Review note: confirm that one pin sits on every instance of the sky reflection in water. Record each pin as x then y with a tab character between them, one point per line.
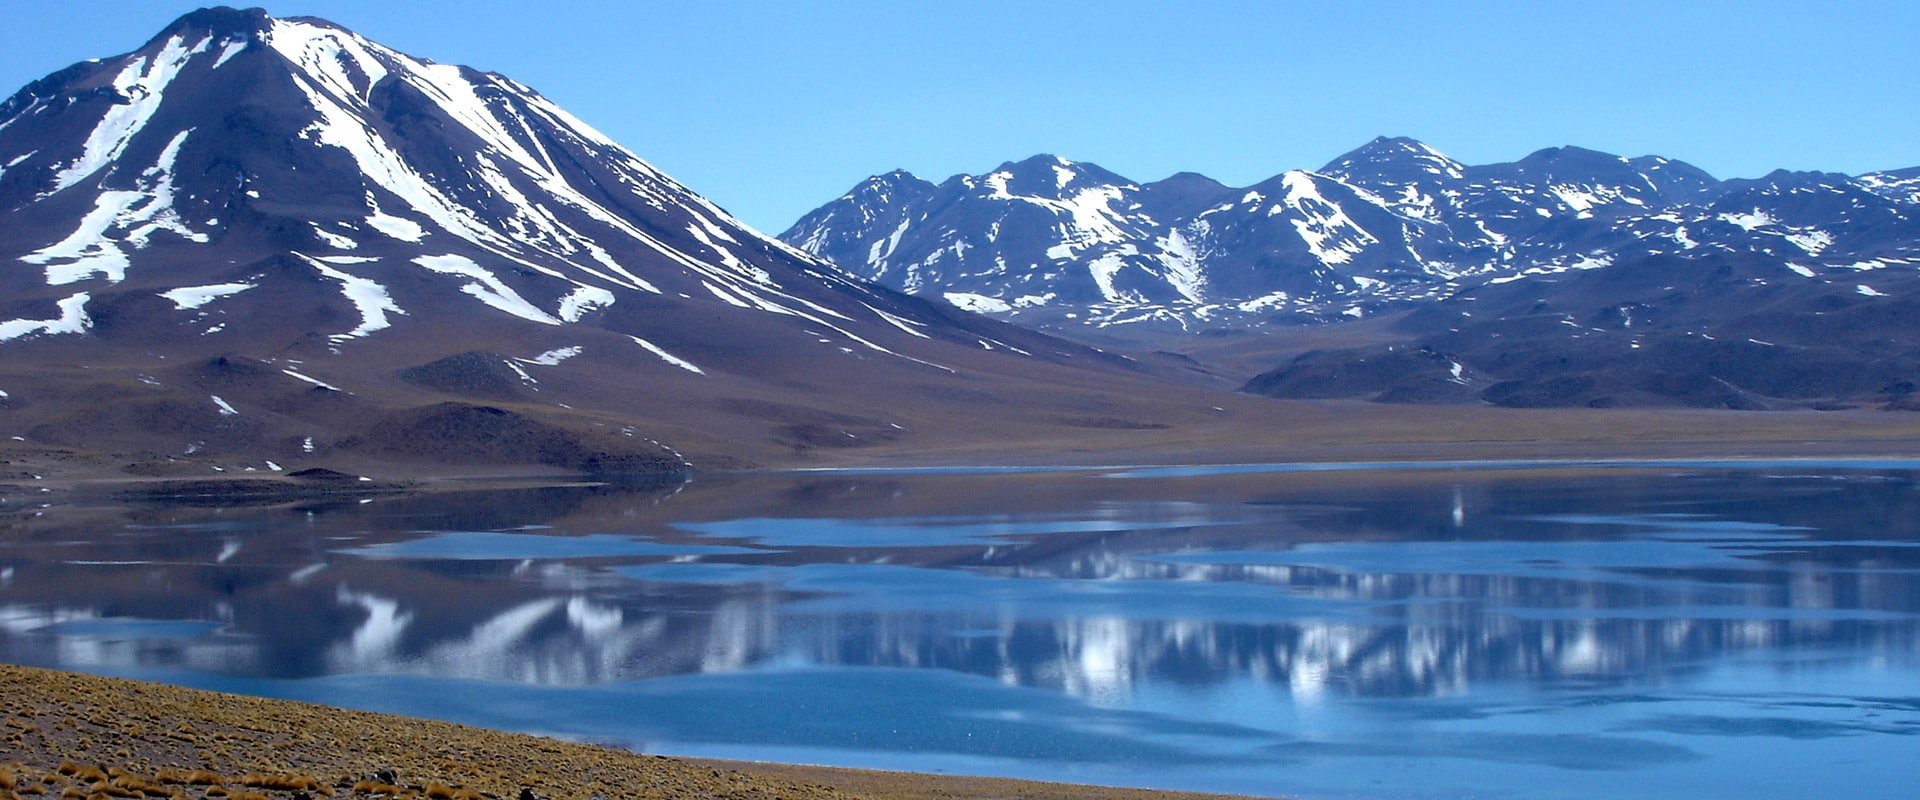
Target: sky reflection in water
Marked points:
1507	633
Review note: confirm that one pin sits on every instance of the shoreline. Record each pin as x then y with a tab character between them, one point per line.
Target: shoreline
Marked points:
101	481
1171	469
62	729
1249	432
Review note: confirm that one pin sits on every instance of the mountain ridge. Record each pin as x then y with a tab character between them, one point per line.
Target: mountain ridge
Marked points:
1569	277
1389	224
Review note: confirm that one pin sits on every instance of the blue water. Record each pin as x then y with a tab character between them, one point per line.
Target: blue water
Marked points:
1681	630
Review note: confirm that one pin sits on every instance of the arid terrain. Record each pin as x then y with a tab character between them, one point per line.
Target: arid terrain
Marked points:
1239	429
92	738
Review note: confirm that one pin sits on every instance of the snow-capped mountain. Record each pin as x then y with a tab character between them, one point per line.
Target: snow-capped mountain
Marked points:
984	241
197	235
386	178
1390	224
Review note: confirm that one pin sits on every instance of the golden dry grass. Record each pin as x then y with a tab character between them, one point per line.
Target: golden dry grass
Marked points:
81	737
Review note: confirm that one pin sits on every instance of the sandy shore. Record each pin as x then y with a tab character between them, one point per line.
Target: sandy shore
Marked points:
81	737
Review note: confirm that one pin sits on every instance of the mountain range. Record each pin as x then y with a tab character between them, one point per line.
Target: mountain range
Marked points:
258	244
1391	224
1568	278
277	238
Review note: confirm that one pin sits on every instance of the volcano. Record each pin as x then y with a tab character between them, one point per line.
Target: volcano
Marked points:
273	241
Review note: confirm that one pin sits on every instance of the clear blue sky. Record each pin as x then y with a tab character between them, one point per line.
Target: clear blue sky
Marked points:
773	108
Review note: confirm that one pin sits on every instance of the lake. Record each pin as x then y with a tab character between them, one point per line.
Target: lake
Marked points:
1459	630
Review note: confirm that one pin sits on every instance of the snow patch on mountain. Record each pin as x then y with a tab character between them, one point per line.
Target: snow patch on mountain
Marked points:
1331	235
404	230
552	358
977	303
584	300
525	377
1903	186
1582	262
1105	267
368	297
315	381
1181	264
229	49
486	286
73	319
1269	302
136	214
142	85
1749	220
1811	240
187	298
666	356
335	240
88	251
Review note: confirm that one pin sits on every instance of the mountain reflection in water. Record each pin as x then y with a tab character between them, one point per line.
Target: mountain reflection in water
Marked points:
1235	603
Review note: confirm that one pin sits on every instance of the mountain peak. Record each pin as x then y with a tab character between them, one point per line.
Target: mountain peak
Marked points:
1793	180
1396	157
1041	164
896	177
881	188
1187	179
1047	175
1569	155
1397	142
1652	164
1041	161
221	22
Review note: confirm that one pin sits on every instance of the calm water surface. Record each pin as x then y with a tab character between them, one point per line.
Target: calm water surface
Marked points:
1679	631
